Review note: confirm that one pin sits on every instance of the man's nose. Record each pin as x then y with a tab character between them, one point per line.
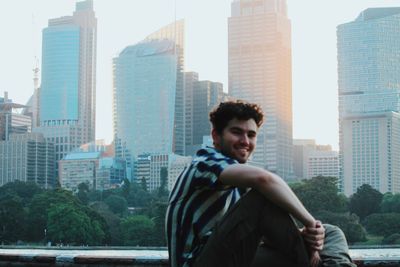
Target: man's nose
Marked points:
244	139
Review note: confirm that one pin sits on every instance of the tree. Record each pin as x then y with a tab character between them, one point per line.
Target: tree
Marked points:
38	210
137	230
112	221
157	211
162	190
320	194
83	190
137	196
68	224
12	218
390	203
144	183
349	223
117	204
393	239
365	201
126	186
383	223
24	190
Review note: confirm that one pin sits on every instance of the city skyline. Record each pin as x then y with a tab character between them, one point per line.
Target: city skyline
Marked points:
313	50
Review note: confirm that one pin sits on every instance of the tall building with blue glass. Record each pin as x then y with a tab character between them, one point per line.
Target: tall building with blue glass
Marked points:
369	100
147	95
68	83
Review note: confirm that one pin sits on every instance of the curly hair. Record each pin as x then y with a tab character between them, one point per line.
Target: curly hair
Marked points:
239	109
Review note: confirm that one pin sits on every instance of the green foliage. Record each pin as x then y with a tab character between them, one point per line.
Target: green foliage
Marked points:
320	194
162	190
82	194
144	184
137	230
365	201
349	224
68	224
138	197
117	204
25	191
390	203
12	219
393	239
157	211
382	223
126	187
111	219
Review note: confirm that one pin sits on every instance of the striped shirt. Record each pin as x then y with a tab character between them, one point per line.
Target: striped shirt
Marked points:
196	203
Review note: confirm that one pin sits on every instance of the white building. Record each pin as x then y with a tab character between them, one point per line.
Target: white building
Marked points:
322	163
312	160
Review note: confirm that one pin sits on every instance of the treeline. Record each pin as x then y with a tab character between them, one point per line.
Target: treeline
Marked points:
367	213
132	216
31	215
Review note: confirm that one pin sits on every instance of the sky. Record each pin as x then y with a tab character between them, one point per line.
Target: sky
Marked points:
125	22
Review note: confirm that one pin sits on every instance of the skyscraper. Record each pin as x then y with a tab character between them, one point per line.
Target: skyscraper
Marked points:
148	101
260	72
369	100
68	88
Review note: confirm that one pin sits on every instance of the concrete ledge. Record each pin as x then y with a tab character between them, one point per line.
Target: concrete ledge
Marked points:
106	257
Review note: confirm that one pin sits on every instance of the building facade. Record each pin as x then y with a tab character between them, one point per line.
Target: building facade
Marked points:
12	121
27	157
369	100
68	84
93	168
312	160
323	163
260	71
148	101
301	150
149	169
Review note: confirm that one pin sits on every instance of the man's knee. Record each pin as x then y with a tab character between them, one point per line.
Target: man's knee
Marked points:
335	252
334	233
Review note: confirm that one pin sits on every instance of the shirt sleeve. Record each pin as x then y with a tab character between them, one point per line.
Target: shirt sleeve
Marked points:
209	170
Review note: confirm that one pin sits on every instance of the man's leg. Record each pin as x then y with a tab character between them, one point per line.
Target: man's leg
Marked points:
235	239
335	252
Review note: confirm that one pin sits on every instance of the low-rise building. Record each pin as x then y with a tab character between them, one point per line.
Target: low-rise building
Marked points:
98	172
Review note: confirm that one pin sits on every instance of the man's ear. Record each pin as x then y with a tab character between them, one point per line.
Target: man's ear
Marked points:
216	137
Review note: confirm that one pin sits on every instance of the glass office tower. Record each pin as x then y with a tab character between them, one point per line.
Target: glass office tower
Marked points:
68	88
147	82
260	71
369	100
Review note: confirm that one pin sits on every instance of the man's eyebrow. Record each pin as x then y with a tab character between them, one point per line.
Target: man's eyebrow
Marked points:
236	128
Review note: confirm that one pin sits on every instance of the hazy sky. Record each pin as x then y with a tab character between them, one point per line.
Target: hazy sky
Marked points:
125	22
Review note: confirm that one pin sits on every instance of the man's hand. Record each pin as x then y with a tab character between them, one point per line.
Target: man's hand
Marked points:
314	236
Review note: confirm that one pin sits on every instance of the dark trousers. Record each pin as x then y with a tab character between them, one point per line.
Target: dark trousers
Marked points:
236	238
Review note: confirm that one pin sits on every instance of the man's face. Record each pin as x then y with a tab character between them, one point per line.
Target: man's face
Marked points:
238	139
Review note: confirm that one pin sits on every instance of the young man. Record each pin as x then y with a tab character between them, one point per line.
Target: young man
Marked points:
220	208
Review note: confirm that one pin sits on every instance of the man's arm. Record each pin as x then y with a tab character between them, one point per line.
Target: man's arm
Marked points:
271	186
